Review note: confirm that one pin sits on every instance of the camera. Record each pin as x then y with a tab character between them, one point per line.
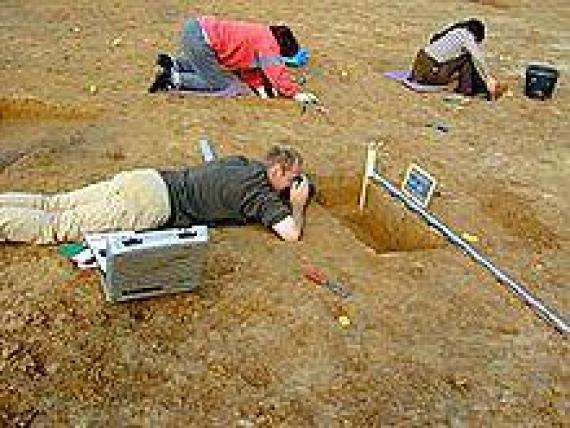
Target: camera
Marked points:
296	182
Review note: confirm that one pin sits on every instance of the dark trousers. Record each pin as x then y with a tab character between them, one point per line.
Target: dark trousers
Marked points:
461	70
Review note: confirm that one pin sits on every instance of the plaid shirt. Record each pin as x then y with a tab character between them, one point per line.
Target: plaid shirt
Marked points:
456	43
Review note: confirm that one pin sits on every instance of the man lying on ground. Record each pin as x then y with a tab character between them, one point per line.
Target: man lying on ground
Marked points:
233	190
455	55
217	54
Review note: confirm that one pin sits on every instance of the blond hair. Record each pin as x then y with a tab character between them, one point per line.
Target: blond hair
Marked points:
285	156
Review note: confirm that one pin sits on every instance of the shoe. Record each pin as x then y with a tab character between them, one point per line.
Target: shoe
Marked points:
162	82
165	61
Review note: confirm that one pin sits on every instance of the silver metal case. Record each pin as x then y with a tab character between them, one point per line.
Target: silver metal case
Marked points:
137	265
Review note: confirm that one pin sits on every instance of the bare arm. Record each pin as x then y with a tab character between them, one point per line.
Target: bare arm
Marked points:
478	59
288	229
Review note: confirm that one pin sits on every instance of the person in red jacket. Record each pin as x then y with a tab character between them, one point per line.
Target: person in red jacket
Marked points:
217	54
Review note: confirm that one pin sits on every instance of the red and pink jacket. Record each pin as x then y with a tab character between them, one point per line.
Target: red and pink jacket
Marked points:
250	50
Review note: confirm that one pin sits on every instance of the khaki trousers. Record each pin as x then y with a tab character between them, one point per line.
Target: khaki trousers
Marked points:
132	200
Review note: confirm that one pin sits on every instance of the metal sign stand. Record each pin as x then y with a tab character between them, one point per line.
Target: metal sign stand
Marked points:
372	174
419	184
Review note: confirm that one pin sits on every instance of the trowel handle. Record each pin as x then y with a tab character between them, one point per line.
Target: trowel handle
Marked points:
315	275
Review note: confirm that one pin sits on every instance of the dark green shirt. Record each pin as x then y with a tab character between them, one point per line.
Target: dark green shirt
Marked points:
233	190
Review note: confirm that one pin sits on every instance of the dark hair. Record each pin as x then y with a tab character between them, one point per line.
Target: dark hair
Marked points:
474	26
288	45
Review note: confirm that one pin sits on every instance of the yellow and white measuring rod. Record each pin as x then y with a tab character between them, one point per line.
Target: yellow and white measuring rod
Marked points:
369	165
371	174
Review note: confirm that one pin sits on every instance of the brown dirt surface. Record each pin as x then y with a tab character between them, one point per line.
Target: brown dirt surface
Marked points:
433	339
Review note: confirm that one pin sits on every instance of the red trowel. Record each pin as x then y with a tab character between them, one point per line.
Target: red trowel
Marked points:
317	276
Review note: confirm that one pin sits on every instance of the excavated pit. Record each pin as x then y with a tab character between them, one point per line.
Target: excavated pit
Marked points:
383	225
28	125
33	109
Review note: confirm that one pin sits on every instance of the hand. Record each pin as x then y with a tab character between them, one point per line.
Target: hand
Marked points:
299	192
495	87
492	83
306	98
261	92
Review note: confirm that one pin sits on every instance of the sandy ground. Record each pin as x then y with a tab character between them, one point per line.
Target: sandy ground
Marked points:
433	339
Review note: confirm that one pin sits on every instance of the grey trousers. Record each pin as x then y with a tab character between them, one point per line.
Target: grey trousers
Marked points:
132	200
197	66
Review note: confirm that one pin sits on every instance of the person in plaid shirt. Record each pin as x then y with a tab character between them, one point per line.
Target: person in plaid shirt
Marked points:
455	55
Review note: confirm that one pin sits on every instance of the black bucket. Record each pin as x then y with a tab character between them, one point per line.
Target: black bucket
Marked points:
540	81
